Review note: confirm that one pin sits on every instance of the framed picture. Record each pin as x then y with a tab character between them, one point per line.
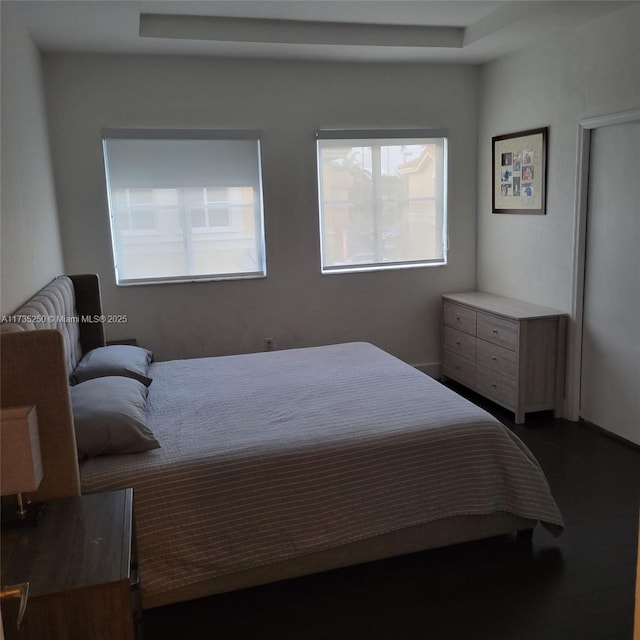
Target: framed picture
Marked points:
520	172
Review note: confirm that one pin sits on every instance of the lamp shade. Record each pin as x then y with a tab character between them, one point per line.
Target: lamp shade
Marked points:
20	459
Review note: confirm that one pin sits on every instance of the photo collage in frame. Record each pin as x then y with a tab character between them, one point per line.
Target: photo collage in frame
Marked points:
519	165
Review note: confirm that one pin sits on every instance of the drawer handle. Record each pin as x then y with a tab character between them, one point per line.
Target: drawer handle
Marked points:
457	344
458	318
17	591
494	358
495	332
495	386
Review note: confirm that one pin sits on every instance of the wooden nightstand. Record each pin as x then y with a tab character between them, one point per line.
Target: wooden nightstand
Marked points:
81	567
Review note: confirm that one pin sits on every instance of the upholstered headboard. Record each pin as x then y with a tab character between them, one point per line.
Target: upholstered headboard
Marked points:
40	346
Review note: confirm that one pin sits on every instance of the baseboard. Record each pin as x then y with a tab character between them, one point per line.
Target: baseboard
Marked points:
609	434
432	369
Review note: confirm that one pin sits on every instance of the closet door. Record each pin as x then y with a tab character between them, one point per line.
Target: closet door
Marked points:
610	385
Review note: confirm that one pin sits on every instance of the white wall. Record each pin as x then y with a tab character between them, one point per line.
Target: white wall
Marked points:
287	102
31	248
594	71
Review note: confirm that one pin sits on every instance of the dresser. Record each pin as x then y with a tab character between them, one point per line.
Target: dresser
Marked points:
509	351
81	568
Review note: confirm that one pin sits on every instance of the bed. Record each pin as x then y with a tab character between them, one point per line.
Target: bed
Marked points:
274	465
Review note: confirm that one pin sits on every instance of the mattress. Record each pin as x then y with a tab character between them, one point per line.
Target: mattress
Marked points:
271	456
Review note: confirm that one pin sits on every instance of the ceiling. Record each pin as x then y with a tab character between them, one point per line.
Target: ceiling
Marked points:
472	31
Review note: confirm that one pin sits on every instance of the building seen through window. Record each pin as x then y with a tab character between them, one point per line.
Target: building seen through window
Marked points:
382	203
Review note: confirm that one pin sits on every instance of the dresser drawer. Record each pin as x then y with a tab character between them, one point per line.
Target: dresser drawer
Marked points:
497	387
459	317
460	343
459	369
491	356
497	330
519	354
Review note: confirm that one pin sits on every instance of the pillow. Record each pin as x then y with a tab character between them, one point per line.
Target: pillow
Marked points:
110	416
115	360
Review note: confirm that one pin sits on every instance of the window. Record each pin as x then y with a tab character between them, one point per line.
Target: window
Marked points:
184	205
382	200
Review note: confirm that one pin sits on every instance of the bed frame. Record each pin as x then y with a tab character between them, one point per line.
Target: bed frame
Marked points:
45	340
40	349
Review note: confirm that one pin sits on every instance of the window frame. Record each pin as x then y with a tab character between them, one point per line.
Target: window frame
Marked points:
384	136
116	238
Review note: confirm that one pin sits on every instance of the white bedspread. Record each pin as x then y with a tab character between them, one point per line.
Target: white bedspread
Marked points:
273	455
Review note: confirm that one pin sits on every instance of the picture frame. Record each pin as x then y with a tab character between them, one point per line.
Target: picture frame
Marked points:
519	172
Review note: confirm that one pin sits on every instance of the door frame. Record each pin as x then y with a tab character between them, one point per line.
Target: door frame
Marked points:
574	360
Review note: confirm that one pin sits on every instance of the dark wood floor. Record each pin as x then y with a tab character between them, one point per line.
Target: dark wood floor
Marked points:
579	586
